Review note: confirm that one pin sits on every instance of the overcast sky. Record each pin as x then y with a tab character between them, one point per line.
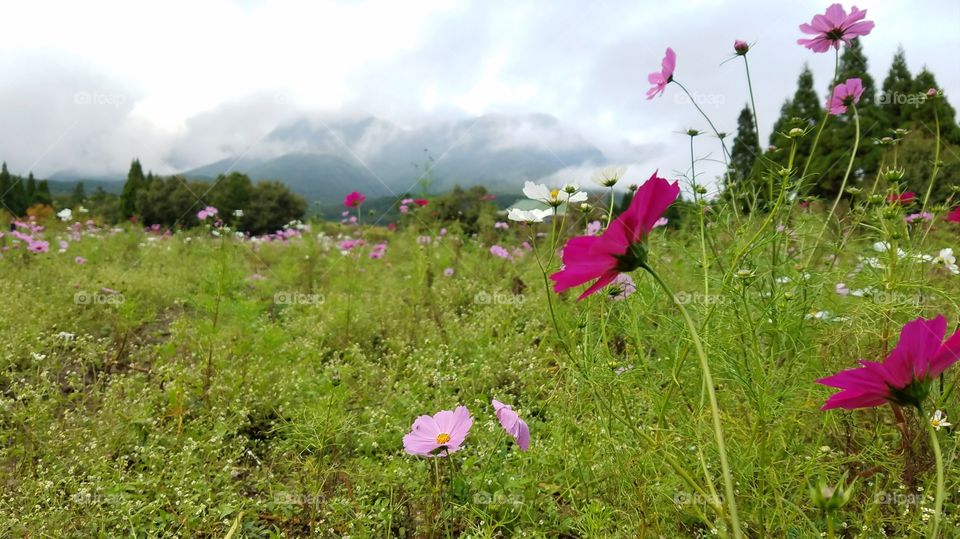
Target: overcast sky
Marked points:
180	83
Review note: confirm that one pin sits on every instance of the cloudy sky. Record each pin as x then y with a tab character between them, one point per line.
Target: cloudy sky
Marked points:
86	86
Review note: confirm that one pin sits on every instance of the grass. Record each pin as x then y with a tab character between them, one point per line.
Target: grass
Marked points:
198	401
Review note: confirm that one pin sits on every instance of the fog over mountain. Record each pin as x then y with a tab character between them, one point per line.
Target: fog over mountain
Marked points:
332	95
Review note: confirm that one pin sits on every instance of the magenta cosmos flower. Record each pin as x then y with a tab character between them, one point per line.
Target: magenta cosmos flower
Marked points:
833	27
660	79
354	199
440	434
512	423
954	216
904	377
844	95
620	248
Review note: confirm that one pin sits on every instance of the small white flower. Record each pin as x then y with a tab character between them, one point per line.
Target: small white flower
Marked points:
64	336
552	197
608	176
238	213
947	258
528	216
939	420
65	214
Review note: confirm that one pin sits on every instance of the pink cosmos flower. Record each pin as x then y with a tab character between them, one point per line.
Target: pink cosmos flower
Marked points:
594	228
905	198
660	79
622	287
440	434
922	216
512	423
421	202
38	246
740	47
663	221
404	209
209	211
833	27
842	289
354	199
904	376
80	260
620	248
448	272
499	251
844	95
954	216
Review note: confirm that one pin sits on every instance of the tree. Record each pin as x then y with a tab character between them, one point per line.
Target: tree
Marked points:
746	146
897	90
5	186
78	194
128	198
43	193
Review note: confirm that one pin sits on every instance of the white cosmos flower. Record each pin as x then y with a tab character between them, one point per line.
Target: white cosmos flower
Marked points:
65	214
939	420
608	176
552	197
528	216
947	258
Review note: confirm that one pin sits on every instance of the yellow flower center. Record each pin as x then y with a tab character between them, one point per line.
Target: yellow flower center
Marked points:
554	193
443	438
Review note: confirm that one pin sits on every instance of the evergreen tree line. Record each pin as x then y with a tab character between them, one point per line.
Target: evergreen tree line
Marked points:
174	201
897	131
18	194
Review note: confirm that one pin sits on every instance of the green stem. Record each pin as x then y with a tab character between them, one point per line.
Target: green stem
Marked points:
612	201
712	396
843	185
941	488
936	158
826	116
703	232
753	105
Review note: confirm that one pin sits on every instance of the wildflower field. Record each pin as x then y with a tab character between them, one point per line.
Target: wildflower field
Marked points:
623	361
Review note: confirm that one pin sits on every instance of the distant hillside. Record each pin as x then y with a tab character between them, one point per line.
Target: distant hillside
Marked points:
322	160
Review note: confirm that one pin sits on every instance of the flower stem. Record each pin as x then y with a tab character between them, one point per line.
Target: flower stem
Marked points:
610	213
941	489
936	158
703	232
823	122
843	185
712	396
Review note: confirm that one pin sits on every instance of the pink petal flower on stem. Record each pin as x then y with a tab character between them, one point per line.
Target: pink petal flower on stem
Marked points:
905	375
354	199
954	216
905	198
38	246
440	434
512	423
660	79
834	27
620	248
844	95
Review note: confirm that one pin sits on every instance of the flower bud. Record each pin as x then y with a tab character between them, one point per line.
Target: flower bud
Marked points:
741	47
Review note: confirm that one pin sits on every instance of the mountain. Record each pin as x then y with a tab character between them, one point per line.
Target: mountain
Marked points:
324	159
